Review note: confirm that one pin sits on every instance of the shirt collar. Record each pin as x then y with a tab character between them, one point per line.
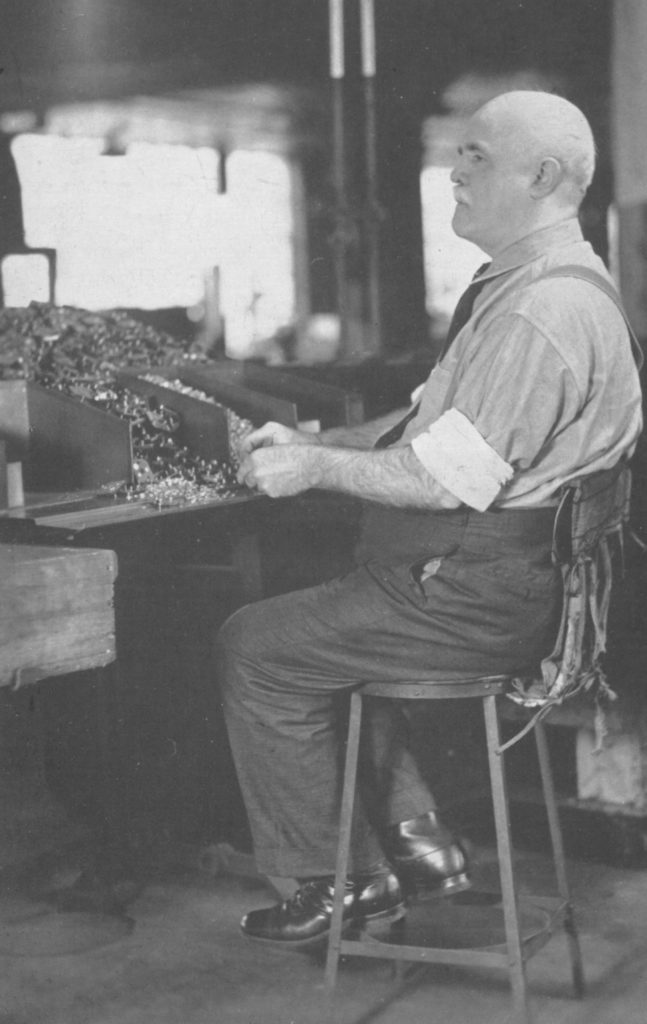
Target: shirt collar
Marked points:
536	244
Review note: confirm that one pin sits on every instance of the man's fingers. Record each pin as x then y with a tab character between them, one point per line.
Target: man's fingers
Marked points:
277	471
260	438
274	435
245	474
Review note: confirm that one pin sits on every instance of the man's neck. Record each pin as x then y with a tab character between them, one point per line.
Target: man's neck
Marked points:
566	232
545	222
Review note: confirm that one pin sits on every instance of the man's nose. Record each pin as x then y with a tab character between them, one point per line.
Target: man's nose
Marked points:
457	175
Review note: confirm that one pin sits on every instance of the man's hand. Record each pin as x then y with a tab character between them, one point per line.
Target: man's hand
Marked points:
275	434
282	469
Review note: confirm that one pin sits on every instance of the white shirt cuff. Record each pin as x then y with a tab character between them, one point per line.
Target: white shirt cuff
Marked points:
459	459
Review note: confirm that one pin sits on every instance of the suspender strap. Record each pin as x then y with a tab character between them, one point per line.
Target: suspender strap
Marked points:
594	278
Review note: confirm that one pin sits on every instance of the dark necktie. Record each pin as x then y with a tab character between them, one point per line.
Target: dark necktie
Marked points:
462	313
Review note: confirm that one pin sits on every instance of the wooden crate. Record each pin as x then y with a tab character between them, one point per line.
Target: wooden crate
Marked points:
56	611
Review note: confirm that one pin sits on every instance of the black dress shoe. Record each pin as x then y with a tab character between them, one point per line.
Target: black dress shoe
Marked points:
304	919
426	857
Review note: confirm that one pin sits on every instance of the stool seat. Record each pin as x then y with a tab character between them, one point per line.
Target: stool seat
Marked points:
445	687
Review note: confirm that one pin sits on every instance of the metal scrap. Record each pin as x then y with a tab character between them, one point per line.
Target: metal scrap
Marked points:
79	353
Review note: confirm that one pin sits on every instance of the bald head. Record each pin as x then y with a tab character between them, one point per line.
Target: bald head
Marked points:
524	163
539	125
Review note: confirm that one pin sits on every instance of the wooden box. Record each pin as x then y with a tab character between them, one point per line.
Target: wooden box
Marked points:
56	611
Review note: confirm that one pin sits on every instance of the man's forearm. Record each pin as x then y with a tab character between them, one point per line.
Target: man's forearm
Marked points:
364	435
393	477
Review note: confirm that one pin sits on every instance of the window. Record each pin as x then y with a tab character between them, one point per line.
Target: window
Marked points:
146	229
449	261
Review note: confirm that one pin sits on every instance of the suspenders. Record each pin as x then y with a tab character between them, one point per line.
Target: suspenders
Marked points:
592	276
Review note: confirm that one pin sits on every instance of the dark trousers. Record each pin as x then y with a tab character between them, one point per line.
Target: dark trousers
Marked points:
483	598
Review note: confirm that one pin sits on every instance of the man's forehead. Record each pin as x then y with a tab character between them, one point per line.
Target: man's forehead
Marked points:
493	135
477	134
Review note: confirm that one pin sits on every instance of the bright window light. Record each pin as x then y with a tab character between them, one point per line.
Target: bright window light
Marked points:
146	229
25	279
613	234
449	261
258	278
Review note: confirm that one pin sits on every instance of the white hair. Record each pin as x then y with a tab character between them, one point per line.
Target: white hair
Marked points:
552	126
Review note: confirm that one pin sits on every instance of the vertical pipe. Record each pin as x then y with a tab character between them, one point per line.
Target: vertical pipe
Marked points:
367	26
372	217
339	241
336	28
367	31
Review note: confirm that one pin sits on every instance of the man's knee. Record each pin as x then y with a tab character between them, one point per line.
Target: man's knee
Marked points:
227	655
244	638
231	634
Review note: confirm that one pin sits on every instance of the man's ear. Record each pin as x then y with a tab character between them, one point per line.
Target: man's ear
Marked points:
547	177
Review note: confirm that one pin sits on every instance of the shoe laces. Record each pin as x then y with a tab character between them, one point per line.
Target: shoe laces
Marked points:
314	894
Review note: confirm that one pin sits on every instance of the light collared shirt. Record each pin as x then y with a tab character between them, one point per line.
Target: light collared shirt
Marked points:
539	387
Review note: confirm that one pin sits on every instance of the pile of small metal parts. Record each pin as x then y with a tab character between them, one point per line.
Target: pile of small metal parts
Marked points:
237	426
166	473
55	345
178	491
79	352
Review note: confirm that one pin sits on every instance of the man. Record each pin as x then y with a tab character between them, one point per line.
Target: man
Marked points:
454	571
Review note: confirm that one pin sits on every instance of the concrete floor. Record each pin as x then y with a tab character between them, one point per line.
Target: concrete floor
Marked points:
179	957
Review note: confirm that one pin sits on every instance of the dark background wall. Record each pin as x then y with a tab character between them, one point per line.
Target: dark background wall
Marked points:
423	44
72	50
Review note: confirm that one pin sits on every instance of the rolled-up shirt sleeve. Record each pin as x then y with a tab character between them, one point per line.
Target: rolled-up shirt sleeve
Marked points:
515	393
456	455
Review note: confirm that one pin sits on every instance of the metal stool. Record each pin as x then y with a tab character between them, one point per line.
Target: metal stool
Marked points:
517	950
588	530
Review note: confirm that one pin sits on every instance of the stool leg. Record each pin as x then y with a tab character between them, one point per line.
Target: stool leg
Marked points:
343	848
559	859
516	963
